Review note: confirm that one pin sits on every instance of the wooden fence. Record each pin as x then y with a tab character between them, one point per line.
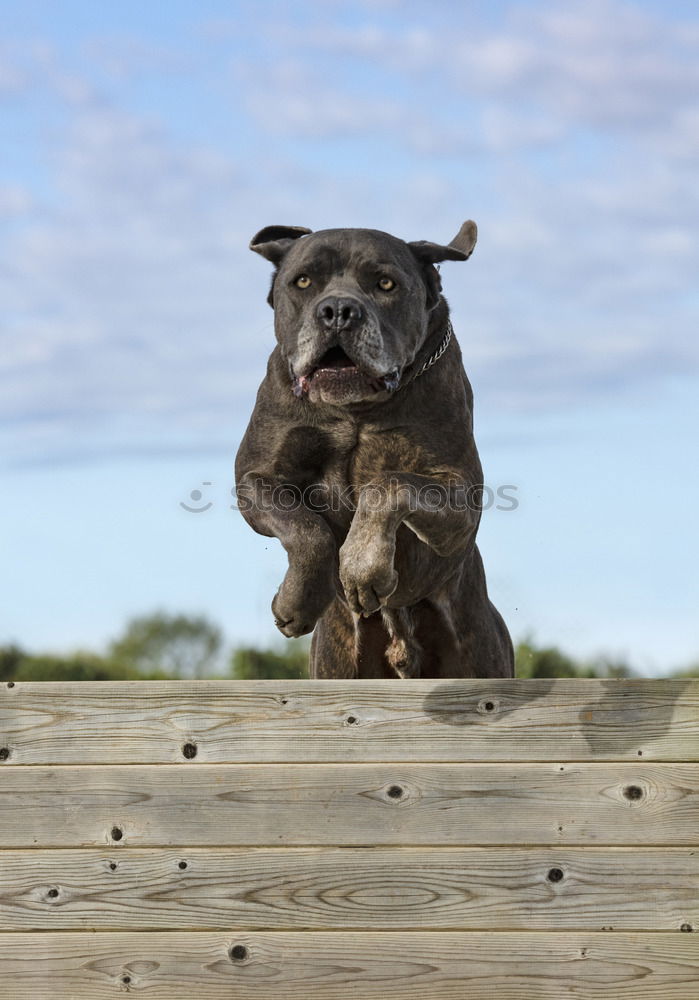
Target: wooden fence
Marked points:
383	840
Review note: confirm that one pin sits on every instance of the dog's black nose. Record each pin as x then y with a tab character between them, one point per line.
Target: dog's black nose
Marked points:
339	313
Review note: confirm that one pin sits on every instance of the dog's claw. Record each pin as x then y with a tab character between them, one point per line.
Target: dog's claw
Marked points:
368	577
369	602
300	601
293	628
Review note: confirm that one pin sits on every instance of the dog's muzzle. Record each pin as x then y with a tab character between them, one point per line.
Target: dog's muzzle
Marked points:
341	373
336	372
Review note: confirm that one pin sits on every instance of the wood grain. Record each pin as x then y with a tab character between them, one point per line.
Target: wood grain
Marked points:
352	889
350	805
130	722
365	966
379	840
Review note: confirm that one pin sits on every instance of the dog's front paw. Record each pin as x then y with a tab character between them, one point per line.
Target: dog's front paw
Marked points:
367	573
300	601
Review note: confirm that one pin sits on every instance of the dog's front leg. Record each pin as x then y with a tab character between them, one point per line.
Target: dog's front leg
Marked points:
440	515
277	510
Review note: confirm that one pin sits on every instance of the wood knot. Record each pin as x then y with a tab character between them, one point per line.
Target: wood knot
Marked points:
116	833
4	753
487	706
555	874
189	751
238	953
395	792
633	793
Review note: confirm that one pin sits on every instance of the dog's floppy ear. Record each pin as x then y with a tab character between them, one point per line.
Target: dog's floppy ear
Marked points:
428	254
460	248
272	242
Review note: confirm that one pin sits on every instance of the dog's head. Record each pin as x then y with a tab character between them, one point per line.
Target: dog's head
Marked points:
352	306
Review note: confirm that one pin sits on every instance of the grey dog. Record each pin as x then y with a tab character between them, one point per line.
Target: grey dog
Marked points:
360	458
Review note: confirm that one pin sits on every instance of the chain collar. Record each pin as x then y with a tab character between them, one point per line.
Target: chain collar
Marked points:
434	358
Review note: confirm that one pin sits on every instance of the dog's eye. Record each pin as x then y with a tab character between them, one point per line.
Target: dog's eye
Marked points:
386	284
303	281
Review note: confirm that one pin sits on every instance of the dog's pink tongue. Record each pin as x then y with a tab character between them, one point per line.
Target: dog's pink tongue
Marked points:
300	386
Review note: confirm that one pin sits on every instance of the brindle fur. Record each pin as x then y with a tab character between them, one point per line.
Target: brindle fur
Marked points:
389	589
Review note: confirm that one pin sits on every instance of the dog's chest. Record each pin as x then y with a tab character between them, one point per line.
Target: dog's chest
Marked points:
334	463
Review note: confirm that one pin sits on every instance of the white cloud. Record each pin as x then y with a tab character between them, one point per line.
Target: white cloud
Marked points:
119	298
126	56
15	201
605	64
134	316
13	77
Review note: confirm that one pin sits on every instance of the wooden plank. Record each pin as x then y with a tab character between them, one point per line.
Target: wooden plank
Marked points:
132	722
351	805
352	889
333	966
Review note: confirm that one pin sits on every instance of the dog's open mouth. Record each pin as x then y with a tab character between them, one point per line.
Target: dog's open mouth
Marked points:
336	368
335	360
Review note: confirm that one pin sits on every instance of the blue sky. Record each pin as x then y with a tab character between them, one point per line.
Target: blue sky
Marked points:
143	145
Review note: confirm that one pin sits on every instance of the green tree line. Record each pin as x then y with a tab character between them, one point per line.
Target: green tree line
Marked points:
162	646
